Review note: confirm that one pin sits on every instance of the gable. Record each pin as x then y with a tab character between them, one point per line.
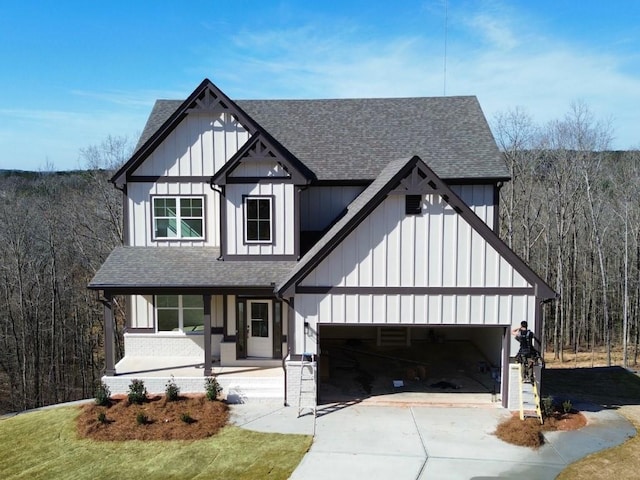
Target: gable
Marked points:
262	157
206	105
436	237
437	248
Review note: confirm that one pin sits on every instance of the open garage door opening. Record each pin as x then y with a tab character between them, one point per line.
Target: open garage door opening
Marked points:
414	364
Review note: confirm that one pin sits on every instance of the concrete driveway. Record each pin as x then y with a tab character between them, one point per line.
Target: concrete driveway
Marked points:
420	442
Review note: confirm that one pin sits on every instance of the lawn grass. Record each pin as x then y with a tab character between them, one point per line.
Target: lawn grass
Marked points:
44	444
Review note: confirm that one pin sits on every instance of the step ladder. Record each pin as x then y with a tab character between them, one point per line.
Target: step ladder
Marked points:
529	399
307	399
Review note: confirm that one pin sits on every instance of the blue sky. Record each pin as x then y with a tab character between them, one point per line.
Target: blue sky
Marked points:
74	72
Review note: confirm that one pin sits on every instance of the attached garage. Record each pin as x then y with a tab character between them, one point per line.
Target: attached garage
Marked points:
424	364
405	300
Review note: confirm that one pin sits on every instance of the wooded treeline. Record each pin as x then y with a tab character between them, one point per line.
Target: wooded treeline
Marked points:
56	230
572	211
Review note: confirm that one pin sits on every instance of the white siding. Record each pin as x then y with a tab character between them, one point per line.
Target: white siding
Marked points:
199	146
254	168
282	221
435	249
140	221
319	206
480	200
374	309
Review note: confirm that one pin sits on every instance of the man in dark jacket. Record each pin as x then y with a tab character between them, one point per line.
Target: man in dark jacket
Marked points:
525	338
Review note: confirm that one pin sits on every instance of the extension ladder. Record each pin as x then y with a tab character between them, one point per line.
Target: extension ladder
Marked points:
307	396
529	399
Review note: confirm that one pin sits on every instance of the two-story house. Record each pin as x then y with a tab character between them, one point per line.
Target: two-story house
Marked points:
256	229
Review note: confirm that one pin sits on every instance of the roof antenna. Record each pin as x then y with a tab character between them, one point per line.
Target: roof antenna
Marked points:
444	73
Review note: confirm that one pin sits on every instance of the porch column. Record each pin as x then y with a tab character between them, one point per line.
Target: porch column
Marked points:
109	339
207	334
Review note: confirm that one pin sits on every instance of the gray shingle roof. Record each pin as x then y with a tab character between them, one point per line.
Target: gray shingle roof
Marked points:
347	139
194	267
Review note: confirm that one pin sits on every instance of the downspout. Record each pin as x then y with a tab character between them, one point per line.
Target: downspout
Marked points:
221	193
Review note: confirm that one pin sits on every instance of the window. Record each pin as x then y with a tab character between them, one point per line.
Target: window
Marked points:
413	204
180	313
178	218
257	219
260	319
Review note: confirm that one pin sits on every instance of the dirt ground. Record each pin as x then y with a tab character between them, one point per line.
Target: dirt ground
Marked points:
590	359
188	418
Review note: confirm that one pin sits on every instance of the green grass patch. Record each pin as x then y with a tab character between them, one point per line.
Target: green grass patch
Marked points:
44	444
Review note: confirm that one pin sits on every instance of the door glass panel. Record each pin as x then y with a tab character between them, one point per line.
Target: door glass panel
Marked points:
259	319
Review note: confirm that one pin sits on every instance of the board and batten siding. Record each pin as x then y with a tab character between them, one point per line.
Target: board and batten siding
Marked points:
392	249
258	169
283	219
140	220
199	146
436	249
480	198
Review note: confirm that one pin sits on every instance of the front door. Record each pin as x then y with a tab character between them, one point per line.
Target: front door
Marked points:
259	329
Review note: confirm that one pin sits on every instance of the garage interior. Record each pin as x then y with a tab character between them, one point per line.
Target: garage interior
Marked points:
410	364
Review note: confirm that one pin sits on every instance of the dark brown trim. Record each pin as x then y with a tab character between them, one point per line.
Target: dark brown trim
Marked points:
231	339
141	330
184	290
506	373
298	173
109	338
167	179
125	216
272	220
257	180
223	221
496	208
225	318
206	299
416	290
217	330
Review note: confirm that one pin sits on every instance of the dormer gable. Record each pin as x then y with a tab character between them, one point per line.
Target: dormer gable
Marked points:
205	99
264	159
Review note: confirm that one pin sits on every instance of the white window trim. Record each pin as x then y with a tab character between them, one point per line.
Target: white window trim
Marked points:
178	199
181	309
246	219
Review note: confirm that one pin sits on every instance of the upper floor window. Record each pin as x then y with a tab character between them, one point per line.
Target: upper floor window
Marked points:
178	218
180	313
258	220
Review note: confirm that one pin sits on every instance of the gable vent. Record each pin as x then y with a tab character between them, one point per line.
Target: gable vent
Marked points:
413	204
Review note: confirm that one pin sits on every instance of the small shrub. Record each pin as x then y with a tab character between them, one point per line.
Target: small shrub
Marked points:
137	392
102	394
142	419
172	391
547	406
102	418
212	388
567	406
186	418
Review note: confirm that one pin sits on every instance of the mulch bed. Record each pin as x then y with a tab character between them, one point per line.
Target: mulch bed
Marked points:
528	432
188	418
